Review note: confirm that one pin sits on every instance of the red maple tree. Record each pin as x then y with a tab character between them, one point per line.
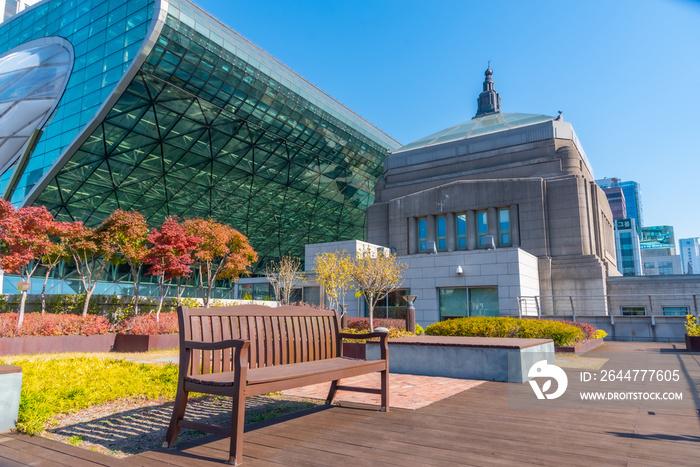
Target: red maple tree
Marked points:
224	253
91	256
24	237
170	256
124	233
54	254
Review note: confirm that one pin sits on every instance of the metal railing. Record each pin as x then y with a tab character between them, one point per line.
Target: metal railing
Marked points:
651	305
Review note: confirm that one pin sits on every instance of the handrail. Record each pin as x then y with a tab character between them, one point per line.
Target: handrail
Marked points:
608	304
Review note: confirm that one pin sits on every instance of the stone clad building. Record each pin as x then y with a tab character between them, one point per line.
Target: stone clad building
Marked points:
501	206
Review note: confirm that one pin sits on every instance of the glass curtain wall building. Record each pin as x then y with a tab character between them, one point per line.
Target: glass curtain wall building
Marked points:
632	192
155	106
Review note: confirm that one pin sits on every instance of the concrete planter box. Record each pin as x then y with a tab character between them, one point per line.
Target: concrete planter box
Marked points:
692	343
355	350
144	343
581	348
50	344
484	358
10	390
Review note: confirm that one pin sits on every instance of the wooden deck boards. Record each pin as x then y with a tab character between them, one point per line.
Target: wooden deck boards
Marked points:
473	428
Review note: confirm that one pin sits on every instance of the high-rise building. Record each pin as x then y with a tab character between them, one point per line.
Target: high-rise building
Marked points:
632	192
660	239
629	258
9	8
690	255
658	245
156	106
616	200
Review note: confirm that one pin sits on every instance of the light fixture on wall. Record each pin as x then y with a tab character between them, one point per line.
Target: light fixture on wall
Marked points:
459	270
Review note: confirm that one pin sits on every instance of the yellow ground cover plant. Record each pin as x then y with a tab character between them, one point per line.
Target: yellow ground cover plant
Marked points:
64	385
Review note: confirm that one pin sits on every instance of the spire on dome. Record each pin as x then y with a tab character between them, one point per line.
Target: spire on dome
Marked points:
489	100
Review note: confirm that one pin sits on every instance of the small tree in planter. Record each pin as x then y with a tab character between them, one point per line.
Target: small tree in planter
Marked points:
124	234
283	275
333	272
170	256
376	275
24	237
224	253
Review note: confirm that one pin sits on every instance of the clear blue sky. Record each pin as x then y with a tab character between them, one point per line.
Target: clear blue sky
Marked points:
626	74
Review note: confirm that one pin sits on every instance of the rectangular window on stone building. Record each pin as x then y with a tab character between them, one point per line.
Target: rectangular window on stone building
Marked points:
453	303
422	234
461	226
482	227
483	301
504	227
633	311
665	268
393	306
472	301
675	310
441	229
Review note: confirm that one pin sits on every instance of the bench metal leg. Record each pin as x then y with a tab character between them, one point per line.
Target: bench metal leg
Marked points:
385	390
178	414
331	393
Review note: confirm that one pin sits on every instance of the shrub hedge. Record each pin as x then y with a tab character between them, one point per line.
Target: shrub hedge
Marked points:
147	324
37	324
588	329
484	326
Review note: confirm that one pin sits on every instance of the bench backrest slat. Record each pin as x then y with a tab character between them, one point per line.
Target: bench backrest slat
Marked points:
277	336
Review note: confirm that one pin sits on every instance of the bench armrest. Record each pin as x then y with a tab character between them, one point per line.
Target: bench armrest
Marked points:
383	340
230	343
364	335
239	348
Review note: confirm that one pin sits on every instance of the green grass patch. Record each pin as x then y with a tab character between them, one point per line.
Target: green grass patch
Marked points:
65	385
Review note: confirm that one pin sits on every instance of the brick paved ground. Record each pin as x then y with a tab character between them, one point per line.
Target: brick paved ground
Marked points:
405	391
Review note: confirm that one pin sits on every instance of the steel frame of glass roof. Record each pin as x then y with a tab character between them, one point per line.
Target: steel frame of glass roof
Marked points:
169	112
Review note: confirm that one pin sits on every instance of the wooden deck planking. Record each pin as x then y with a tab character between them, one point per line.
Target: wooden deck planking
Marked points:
450	445
38	451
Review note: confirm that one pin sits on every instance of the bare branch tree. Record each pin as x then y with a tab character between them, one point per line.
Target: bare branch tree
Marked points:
283	275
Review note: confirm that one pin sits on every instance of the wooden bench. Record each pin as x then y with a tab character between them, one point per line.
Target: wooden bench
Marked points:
248	350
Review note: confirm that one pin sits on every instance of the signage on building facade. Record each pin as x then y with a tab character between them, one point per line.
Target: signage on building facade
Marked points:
623	224
659	236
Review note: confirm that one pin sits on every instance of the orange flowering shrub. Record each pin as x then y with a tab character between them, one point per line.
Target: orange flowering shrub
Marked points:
147	324
487	326
37	324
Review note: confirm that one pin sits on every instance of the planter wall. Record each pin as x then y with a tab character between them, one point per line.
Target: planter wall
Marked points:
143	343
355	350
692	343
49	344
10	389
97	343
581	348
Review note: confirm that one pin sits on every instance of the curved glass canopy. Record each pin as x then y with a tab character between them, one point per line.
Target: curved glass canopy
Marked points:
33	78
